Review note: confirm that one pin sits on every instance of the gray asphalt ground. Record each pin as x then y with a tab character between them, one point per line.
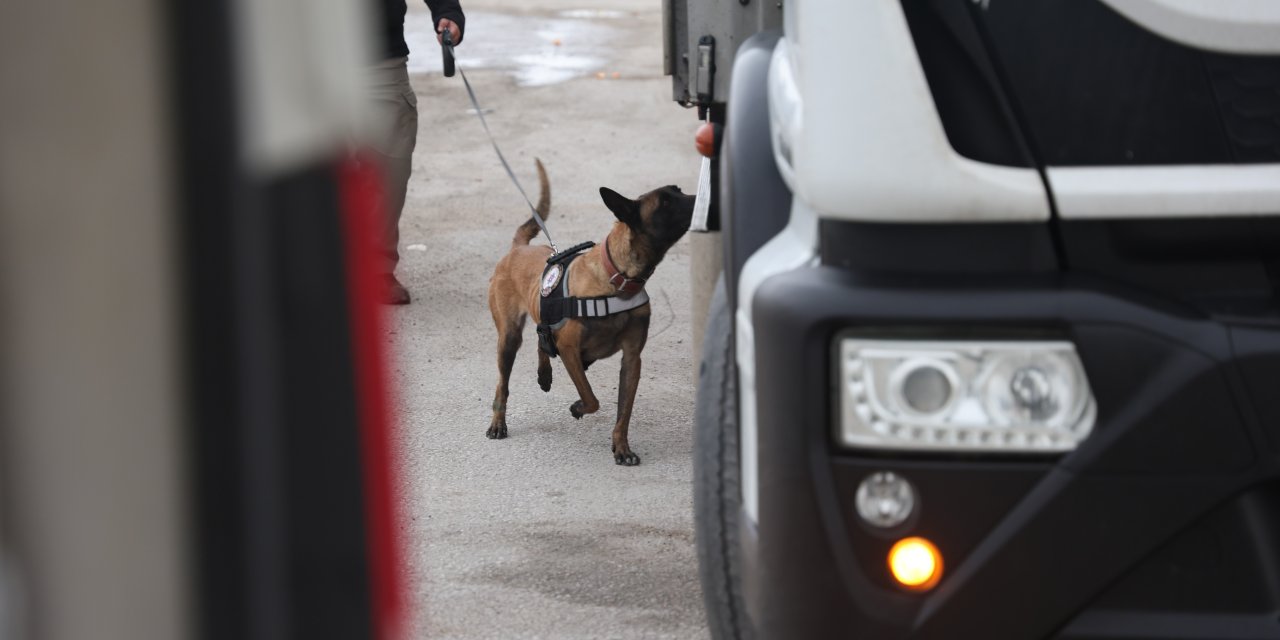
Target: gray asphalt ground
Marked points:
541	535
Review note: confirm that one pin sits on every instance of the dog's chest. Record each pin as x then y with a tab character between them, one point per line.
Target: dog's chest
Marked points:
603	337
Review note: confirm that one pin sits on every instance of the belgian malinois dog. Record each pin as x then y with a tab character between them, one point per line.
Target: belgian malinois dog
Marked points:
643	232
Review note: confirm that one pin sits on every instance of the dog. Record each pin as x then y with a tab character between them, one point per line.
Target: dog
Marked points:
615	271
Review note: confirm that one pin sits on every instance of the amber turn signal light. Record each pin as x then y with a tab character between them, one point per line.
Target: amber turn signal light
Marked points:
705	139
915	564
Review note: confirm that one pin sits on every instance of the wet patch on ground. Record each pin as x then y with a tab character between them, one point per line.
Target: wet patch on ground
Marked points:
567	564
536	51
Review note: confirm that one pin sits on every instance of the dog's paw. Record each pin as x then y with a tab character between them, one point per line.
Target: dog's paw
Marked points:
544	379
627	459
497	431
580	408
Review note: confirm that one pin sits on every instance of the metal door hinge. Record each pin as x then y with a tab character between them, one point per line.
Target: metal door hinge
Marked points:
706	69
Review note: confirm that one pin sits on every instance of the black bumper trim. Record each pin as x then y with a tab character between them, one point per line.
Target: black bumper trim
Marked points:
1172	443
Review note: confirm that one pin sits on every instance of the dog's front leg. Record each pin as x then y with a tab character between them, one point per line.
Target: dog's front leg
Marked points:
544	370
569	344
509	339
628	381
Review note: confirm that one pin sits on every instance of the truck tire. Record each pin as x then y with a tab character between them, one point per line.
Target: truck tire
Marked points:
717	485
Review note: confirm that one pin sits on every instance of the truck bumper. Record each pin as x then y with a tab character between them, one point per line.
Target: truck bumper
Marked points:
1165	522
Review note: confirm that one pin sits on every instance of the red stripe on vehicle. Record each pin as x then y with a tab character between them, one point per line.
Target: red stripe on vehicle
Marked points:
361	198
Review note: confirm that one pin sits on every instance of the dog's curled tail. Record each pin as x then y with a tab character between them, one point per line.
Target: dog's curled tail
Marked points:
530	229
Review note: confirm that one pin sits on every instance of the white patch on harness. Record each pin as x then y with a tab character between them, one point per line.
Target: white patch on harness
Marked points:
551	279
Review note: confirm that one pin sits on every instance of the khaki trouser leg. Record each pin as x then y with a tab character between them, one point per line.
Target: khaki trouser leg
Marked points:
395	176
393	137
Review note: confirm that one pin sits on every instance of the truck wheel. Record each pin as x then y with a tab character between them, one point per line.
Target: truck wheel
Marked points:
717	492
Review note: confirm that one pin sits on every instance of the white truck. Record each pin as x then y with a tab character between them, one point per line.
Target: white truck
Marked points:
996	346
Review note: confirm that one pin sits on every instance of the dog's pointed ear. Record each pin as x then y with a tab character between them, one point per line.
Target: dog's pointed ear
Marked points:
624	209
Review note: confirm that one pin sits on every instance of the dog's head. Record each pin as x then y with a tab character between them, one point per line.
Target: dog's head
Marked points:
658	218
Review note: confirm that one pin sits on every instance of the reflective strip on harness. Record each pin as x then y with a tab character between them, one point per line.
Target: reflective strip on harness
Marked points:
600	307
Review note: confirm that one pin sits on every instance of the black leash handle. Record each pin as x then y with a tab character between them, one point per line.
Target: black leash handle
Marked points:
446	50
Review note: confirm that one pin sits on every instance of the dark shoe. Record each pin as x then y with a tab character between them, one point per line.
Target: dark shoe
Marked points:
393	292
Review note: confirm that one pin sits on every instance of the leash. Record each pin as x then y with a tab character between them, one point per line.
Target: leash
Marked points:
449	66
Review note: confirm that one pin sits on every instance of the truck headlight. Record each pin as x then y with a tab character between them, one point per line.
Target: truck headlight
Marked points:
984	396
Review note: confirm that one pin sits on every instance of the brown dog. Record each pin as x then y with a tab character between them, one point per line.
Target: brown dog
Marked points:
645	229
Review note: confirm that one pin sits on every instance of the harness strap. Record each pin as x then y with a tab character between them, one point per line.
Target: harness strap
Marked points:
607	306
570	253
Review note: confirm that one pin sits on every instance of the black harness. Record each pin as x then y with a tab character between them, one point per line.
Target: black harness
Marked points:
557	306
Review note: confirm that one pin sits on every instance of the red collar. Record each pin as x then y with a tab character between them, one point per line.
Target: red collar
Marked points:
625	286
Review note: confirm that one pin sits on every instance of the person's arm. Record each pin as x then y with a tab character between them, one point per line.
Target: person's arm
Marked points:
447	14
